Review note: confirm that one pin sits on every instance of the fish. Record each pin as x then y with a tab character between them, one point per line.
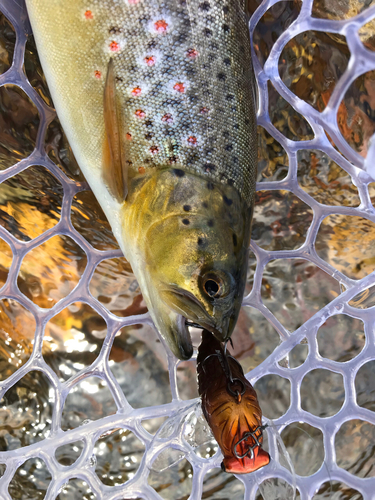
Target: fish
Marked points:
157	100
231	408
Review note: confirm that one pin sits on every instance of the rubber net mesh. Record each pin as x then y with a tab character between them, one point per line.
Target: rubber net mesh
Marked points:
93	405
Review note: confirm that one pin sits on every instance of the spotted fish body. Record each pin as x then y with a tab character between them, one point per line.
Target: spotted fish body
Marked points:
186	124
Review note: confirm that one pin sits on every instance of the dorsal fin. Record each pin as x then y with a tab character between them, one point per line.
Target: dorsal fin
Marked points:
115	172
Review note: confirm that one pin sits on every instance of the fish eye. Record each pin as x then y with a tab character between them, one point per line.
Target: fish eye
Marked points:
213	285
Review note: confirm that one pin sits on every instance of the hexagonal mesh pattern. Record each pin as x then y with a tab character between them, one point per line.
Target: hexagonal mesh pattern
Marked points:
312	282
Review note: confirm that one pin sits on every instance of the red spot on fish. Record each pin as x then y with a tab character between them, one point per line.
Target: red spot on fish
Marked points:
161	26
133	2
168	118
204	110
140	113
192	140
192	53
129	136
154	150
114	46
150	60
88	14
141	170
98	74
136	91
179	87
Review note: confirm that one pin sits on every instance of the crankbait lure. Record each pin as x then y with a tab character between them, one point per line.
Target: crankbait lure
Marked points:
230	406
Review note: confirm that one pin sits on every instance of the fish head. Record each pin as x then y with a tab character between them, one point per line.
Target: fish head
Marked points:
196	262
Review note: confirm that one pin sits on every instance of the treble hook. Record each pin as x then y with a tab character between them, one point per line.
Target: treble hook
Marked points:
251	449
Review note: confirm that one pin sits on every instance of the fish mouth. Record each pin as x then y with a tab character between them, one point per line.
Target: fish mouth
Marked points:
192	313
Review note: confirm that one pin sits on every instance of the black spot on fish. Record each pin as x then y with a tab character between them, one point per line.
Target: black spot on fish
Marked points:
230	182
207	32
200	241
187	208
114	30
210	223
226	28
186	222
227	61
236	126
210	186
229	147
173	159
118	79
226	9
149	136
221	76
174	102
234	240
181	38
152	44
210	167
148	123
178	172
205	6
205	204
229	97
227	200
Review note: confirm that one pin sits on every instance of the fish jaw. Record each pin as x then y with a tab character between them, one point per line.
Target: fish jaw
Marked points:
181	236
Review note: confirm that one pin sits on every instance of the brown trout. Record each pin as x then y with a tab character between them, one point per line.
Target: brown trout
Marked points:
157	100
230	406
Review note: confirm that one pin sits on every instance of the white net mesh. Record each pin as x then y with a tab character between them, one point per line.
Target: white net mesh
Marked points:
84	392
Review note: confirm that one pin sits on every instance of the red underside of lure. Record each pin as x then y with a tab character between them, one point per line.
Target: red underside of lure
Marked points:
230	406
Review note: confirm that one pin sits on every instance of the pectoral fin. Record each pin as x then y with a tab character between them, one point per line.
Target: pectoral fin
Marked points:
115	171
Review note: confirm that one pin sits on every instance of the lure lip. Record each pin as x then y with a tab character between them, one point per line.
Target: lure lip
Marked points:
247	464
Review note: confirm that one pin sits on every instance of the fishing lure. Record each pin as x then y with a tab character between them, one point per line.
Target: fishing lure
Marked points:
156	98
230	406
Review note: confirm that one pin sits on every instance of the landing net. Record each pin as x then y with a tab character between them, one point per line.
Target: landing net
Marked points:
93	405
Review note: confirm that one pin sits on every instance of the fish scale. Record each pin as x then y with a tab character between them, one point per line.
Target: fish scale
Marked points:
207	95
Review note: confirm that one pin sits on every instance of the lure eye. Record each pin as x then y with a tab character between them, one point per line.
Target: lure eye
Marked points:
213	285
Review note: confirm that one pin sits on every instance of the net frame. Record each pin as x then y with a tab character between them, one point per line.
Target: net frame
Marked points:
361	61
